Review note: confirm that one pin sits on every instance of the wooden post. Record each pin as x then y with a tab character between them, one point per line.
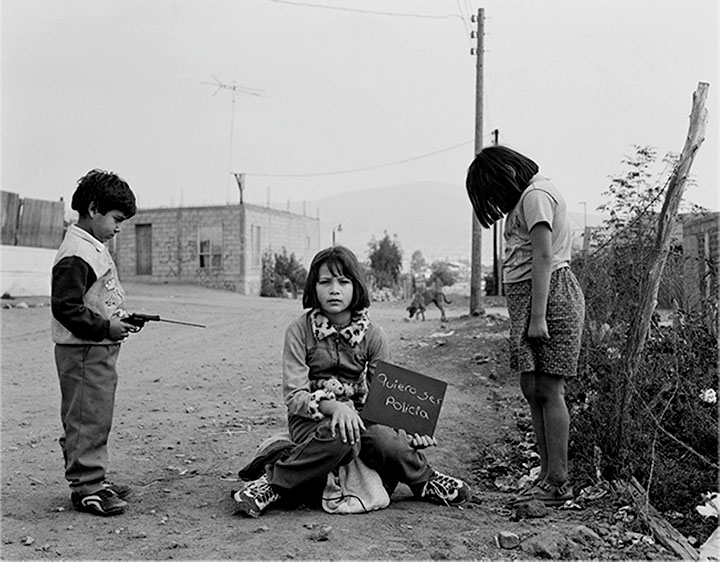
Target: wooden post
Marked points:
476	247
638	330
663	531
240	179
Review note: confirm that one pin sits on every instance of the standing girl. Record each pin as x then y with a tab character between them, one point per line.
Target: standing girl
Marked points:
545	301
335	339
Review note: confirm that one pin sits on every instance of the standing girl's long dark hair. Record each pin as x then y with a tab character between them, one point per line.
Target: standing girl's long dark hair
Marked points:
495	180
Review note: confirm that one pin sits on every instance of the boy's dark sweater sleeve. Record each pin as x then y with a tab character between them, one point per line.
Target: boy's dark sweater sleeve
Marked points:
71	279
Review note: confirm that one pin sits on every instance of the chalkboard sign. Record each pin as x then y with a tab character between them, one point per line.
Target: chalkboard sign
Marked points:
404	399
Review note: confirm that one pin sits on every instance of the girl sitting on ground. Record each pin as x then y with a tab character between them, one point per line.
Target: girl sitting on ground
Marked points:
336	338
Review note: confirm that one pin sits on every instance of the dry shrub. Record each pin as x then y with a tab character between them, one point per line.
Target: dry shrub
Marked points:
670	427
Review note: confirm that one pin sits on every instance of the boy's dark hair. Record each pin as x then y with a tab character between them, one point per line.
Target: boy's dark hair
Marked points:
107	190
340	261
495	180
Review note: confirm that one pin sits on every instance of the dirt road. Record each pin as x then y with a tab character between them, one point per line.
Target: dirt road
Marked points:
192	406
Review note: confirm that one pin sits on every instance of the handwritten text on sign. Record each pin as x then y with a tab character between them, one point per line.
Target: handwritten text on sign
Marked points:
404	399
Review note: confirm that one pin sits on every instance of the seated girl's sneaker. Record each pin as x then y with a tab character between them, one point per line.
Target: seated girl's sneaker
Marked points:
255	497
444	490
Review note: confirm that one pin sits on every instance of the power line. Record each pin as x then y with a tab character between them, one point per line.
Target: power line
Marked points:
465	17
375	167
358	10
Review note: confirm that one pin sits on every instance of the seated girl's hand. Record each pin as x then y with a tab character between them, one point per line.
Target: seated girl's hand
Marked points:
418	441
348	421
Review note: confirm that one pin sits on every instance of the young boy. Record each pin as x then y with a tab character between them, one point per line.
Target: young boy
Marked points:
87	328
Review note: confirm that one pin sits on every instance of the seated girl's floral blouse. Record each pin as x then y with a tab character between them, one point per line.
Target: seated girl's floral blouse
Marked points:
315	350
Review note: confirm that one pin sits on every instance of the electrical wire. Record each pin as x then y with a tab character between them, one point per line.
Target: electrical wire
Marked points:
465	17
375	167
361	11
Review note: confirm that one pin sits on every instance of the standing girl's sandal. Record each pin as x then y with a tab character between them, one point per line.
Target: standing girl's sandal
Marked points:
521	496
547	493
529	486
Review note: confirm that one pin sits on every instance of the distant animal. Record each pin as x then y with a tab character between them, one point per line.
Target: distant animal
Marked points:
422	300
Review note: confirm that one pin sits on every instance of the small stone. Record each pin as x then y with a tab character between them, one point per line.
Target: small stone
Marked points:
507	540
531	509
321	534
585	535
549	544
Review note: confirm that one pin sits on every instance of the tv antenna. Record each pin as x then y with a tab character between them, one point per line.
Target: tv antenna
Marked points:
235	90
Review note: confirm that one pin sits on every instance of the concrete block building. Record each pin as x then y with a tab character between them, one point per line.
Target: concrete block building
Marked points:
215	246
700	241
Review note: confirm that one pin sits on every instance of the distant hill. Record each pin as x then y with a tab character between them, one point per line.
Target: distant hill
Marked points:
435	218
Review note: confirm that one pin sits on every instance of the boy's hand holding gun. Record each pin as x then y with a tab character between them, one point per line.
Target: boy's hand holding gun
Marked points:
119	329
138	321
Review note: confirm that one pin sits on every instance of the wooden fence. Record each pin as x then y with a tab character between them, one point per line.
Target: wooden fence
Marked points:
31	222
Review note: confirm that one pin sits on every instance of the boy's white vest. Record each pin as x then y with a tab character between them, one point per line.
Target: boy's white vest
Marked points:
106	296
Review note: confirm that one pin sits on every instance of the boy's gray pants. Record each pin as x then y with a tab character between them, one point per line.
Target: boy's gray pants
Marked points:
88	381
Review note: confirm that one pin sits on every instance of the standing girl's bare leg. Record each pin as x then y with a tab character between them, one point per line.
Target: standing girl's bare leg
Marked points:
551	422
528	387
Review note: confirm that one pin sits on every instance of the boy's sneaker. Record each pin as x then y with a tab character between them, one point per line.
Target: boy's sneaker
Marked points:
103	502
120	490
445	490
255	497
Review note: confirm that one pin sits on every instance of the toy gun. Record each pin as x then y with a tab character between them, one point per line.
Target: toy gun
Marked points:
139	320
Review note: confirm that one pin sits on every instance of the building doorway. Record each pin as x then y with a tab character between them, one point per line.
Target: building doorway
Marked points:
143	249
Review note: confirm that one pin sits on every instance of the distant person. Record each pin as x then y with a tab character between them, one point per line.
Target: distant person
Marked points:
336	339
545	301
87	329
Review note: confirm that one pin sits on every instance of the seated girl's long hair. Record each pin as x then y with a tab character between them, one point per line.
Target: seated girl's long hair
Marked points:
340	261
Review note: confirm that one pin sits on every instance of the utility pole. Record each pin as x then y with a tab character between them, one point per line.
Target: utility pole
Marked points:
335	229
586	231
476	250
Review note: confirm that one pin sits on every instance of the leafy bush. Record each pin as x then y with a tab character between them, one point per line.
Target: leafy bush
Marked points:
267	276
385	258
667	411
442	274
281	274
671	426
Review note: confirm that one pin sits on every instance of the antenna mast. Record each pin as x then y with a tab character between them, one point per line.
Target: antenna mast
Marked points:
234	89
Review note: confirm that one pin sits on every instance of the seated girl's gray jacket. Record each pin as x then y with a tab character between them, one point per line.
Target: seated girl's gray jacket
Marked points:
308	358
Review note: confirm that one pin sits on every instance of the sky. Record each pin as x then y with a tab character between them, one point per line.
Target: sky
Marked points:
320	97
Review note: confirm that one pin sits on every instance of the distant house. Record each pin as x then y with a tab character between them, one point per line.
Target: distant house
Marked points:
215	246
693	260
700	249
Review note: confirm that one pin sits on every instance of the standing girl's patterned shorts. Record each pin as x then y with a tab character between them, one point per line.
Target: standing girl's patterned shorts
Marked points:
565	318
